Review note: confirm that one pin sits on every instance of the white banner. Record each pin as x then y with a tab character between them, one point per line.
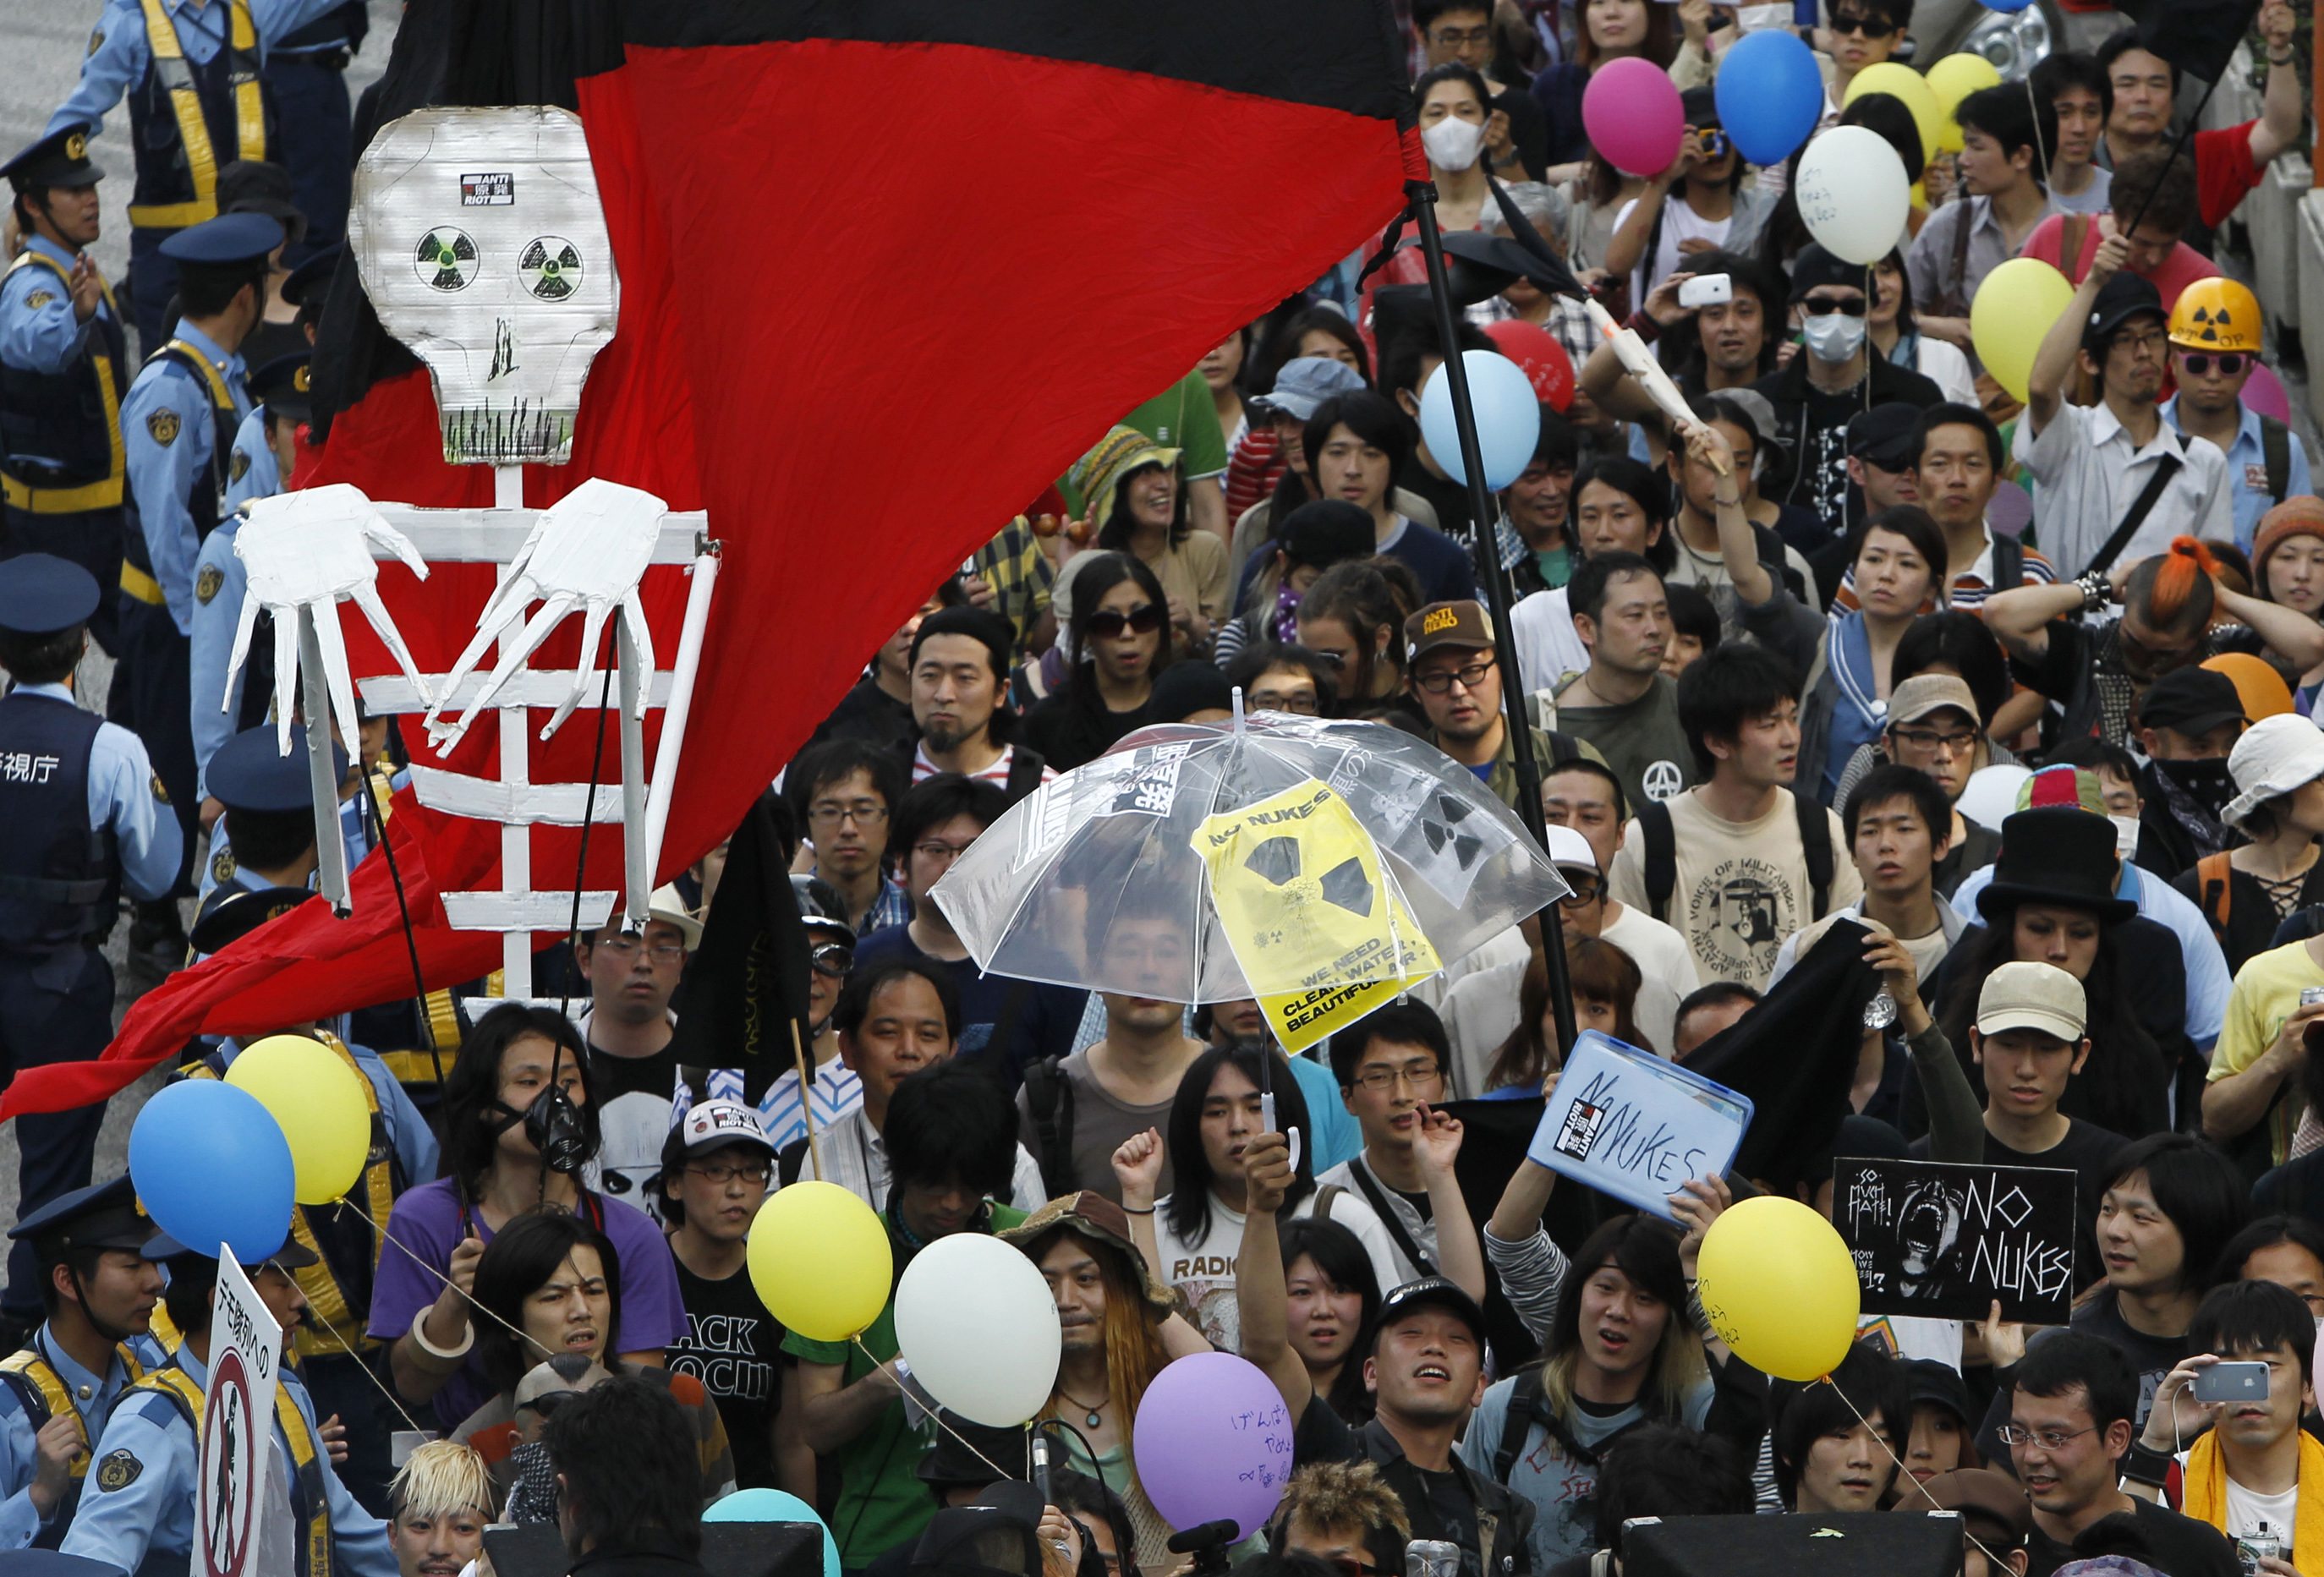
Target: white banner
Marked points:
232	1511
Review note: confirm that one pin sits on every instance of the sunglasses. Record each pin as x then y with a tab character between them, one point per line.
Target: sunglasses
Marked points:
1869	26
1825	307
1109	624
2199	362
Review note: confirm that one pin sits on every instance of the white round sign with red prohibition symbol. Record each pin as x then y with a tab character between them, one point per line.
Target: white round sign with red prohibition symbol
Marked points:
227	1494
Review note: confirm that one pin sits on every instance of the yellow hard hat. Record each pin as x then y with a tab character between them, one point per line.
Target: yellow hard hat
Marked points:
2215	314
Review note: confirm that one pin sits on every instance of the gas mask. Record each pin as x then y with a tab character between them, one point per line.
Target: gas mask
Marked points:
481	242
553	1123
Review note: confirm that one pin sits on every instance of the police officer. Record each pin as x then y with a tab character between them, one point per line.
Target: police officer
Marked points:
81	815
64	363
307	74
138	1508
56	1393
192	70
178	426
264	449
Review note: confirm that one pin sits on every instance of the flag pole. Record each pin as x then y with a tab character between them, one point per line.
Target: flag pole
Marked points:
1485	547
807	1099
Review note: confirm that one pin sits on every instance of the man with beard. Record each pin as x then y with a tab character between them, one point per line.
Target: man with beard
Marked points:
1426	1372
960	682
2188	721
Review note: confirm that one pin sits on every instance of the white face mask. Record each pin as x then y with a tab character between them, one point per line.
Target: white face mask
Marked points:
1834	336
1753	18
2125	834
1453	144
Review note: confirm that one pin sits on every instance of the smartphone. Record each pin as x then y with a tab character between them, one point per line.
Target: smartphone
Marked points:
2231	1382
1706	290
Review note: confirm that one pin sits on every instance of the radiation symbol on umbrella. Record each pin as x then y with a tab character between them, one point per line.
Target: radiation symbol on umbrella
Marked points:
447	259
551	267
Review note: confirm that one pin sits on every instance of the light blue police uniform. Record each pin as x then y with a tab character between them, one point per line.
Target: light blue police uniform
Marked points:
163	475
118	53
145	1524
407	1131
39	329
94	1395
121	798
219	581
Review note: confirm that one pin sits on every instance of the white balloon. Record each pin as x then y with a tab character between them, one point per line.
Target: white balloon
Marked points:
975	1321
1853	194
1990	797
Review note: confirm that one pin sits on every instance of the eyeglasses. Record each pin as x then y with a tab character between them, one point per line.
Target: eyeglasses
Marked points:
2047	1439
1715	144
832	959
2199	362
1110	623
1381	1080
1454	37
622	944
1441	681
1586	888
1869	26
1302	703
2150	340
933	850
828	813
720	1172
1825	307
1928	739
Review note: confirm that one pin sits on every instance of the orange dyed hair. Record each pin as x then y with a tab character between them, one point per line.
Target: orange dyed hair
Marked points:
2173	589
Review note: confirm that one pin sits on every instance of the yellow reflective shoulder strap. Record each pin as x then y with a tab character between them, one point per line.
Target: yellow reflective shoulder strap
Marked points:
179	1386
221	395
311	1498
249	104
186	104
33	1379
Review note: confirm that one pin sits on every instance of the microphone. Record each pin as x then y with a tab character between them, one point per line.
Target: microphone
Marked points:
1203	1535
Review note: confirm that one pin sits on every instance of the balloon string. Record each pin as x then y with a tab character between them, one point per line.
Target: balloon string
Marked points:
392	1400
1992	1558
385	1236
936	1416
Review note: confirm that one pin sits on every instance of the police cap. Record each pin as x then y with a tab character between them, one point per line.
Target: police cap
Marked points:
249	773
228	241
43	594
312	277
232	913
103	1215
59	158
284	385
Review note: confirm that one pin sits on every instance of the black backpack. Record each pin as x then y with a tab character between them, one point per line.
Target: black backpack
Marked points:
1660	854
1049	1101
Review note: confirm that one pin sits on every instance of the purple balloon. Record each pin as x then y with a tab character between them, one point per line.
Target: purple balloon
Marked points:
1213	1439
1632	114
2264	394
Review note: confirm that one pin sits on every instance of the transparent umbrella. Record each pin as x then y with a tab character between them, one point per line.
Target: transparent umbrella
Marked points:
1309	862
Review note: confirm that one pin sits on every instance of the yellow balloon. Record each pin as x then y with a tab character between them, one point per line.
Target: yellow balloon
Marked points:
1952	79
820	1261
320	1104
2015	307
1779	1286
1904	83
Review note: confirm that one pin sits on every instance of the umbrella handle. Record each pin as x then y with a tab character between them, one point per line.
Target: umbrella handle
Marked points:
1267	1124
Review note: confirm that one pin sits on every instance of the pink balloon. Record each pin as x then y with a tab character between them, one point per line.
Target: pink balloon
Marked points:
1631	112
2263	392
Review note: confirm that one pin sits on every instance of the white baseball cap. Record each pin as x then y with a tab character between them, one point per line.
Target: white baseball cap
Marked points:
712	1125
1569	847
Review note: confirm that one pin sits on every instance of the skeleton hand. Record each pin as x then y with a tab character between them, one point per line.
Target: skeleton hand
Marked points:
308	549
589	549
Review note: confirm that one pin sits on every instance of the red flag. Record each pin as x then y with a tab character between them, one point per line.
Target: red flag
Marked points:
886	268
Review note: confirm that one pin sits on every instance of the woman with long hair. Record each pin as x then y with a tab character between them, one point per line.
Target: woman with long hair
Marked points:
1192	1235
1138	500
1118	637
1334	1295
1955	643
1605	982
1622	1350
1352	617
549	1287
1890	326
520	1127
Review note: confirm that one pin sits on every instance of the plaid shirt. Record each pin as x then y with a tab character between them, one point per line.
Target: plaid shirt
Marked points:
894	907
1020	576
1569	324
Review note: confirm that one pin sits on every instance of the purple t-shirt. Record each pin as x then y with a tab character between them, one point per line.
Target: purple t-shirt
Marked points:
427	1221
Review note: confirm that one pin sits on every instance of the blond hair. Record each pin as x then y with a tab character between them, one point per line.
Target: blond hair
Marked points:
440	1477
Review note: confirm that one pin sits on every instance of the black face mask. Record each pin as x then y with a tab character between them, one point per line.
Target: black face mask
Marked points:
553	1123
2206	781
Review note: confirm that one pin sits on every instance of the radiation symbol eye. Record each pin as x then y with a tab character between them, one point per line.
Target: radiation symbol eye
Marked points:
446	259
1347	886
551	267
1275	861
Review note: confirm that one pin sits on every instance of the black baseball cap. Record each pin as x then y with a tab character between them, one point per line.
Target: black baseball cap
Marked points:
2192	700
1883	436
2123	297
1430	1292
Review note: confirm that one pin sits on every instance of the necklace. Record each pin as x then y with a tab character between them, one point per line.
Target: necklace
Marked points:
1093	1420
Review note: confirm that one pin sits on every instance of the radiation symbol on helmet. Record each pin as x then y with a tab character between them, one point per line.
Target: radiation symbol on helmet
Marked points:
446	259
551	267
2211	322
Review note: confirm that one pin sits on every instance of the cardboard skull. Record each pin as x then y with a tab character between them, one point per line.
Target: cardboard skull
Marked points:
481	242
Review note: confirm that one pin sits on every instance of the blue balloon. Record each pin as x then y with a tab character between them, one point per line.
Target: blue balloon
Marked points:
1770	94
1509	419
2008	8
775	1505
211	1166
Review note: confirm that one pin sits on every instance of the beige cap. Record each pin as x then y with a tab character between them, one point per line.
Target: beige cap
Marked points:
2032	996
667	906
1922	694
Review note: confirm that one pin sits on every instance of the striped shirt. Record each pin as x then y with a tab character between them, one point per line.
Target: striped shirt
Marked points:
996	773
836	1093
1968	591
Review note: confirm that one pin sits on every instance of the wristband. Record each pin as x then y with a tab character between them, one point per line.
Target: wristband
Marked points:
2097	591
1643	326
2142	1465
450	1355
1133	1210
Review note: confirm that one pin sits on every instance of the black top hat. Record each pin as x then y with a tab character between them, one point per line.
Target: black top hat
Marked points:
2057	855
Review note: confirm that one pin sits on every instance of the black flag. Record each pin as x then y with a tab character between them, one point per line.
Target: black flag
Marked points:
2198	36
745	988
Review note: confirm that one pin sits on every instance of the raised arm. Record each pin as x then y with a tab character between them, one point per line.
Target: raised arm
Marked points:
1260	1294
2020	617
2289	633
2281	107
1136	1169
1437	1145
1739	548
2053	364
